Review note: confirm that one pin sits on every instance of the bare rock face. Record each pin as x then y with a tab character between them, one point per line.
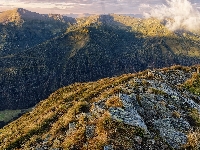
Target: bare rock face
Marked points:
164	107
128	114
173	137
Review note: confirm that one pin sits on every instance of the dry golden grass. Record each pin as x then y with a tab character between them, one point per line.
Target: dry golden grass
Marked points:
75	140
114	101
193	140
10	16
101	137
176	114
191	80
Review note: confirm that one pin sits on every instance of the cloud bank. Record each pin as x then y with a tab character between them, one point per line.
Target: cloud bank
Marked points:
85	6
79	6
177	14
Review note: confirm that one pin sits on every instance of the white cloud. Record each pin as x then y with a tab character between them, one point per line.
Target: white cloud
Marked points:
144	5
178	14
85	6
16	4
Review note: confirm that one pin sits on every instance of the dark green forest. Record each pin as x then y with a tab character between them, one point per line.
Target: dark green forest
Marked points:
90	49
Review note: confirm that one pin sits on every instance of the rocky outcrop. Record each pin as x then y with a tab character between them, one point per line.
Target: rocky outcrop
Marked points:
128	114
149	110
162	105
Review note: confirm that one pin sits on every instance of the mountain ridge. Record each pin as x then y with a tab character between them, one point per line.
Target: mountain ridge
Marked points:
150	109
19	15
22	29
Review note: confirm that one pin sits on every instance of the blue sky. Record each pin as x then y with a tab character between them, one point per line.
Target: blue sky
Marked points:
85	6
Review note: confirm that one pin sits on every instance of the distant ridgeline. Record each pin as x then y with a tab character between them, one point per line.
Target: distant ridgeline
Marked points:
21	29
94	47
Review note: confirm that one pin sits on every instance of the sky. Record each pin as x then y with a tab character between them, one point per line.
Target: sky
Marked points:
85	6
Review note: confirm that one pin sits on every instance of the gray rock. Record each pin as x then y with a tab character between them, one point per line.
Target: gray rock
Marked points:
192	104
171	107
108	147
72	126
180	124
140	110
160	107
163	123
170	134
127	101
90	130
129	114
147	104
138	139
130	117
174	138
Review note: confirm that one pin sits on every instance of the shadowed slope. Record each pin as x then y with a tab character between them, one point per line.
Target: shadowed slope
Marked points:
21	29
93	48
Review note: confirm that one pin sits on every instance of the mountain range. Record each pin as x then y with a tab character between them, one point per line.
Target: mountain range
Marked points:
42	53
97	82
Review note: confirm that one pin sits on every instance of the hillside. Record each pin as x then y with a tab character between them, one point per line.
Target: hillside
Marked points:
21	29
153	109
94	47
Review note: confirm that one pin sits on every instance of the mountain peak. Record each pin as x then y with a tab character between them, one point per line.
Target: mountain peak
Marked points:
18	15
9	16
27	15
22	10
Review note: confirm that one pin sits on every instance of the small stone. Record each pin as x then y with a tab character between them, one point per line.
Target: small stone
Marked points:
138	139
108	147
152	141
90	130
164	146
72	126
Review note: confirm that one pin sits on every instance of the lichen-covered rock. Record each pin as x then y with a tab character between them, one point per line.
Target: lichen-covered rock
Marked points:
128	114
90	131
171	135
130	117
174	138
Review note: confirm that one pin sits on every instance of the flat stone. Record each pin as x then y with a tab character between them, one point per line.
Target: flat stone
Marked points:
170	134
108	147
174	138
130	117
